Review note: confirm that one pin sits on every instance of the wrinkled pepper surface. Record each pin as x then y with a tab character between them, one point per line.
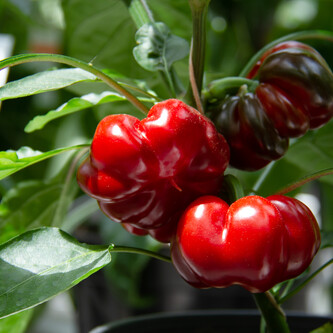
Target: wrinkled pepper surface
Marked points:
255	242
145	173
294	95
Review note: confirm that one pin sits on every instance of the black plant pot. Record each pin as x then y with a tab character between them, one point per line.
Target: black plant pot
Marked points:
207	322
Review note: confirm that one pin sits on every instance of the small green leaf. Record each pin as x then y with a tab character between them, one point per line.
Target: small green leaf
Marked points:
73	105
327	328
158	49
13	161
44	81
42	263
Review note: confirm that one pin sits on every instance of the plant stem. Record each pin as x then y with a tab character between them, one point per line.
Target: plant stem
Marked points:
199	10
305	180
169	81
140	13
150	96
195	91
274	317
57	58
286	289
59	212
125	249
298	288
262	325
262	177
218	89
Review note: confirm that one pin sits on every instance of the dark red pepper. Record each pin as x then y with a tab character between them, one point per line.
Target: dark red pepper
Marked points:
252	137
295	94
281	46
255	243
304	77
145	173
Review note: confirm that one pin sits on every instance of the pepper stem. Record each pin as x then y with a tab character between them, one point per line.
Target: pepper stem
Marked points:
195	91
272	313
219	89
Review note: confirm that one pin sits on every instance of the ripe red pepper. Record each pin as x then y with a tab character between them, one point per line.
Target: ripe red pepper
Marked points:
281	46
256	242
304	77
145	173
295	94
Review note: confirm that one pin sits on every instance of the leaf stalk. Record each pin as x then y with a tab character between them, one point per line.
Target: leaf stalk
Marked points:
126	249
57	58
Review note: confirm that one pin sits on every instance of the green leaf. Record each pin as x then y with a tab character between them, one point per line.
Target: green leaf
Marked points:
102	31
158	49
35	203
314	151
58	58
14	161
74	105
28	205
42	263
327	328
175	14
16	323
44	81
307	155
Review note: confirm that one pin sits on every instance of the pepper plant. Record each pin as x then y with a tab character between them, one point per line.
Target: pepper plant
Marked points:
193	171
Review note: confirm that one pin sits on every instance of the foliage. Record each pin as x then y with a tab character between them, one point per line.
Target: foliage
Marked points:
118	49
41	263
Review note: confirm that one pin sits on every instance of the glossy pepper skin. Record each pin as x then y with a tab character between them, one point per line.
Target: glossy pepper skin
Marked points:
145	173
252	137
295	94
304	78
256	242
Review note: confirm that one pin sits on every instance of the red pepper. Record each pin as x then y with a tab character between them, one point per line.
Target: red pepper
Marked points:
252	137
255	243
145	173
295	94
304	77
291	44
